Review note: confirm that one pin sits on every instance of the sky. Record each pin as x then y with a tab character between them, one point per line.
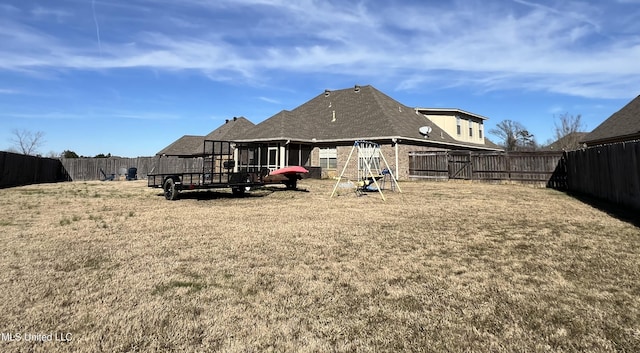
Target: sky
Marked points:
130	77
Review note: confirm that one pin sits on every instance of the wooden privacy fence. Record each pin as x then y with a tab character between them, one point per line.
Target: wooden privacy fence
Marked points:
89	168
18	169
609	172
535	167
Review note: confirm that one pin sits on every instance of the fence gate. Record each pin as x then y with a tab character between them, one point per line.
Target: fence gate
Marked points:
460	165
534	167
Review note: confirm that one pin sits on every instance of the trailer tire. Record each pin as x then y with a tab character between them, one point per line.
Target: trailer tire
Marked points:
170	190
291	184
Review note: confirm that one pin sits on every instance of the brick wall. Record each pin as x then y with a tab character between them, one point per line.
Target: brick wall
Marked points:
388	150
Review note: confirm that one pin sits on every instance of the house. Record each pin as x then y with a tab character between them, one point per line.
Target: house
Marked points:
192	146
624	125
322	131
569	142
461	125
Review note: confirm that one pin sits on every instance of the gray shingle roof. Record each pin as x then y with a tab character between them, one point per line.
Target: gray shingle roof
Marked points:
183	146
567	143
621	126
232	129
491	144
349	114
190	145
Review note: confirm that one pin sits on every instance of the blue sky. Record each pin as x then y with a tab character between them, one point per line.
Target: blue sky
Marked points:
130	77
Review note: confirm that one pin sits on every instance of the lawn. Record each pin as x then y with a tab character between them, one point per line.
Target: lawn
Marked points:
442	267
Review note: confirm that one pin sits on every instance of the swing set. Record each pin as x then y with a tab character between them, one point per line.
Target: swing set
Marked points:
370	176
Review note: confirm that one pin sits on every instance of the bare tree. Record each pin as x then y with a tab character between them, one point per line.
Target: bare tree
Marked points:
567	128
514	135
27	142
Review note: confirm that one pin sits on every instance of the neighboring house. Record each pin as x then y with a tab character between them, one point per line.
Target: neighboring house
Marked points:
192	146
492	144
570	142
624	125
322	131
183	147
459	124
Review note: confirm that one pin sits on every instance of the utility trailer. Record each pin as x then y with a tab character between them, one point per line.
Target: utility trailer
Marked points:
220	170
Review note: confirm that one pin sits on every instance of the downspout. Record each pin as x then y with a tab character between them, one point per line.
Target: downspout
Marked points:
395	146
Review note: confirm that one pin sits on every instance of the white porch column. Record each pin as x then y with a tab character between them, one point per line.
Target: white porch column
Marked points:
236	155
283	156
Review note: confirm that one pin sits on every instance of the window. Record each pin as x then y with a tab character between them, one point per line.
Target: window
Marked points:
470	128
328	158
480	131
458	124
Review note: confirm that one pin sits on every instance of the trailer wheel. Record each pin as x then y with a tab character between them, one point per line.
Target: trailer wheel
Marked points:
241	190
291	184
170	189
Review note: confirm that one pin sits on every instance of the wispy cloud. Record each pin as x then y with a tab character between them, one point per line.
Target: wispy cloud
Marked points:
95	20
57	14
269	100
578	12
60	115
560	49
9	91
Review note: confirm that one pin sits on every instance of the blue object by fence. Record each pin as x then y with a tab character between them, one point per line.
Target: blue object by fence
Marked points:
132	173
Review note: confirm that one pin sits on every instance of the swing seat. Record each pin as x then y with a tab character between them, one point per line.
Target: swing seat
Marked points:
371	188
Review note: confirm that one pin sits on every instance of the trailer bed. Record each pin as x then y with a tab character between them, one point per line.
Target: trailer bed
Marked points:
219	170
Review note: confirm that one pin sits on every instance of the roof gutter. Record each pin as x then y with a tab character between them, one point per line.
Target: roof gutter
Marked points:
390	138
614	139
445	110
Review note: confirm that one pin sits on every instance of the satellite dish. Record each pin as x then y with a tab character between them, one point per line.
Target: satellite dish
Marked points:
425	130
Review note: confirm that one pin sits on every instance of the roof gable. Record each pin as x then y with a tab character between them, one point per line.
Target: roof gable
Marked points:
622	125
272	128
184	146
190	145
567	143
231	129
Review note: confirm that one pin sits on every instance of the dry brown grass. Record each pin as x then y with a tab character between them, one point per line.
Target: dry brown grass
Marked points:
442	267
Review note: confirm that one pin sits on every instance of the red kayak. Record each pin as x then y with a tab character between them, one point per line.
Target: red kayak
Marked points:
289	170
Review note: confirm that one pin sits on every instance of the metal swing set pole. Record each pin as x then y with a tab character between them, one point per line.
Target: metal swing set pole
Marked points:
393	178
367	167
343	169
